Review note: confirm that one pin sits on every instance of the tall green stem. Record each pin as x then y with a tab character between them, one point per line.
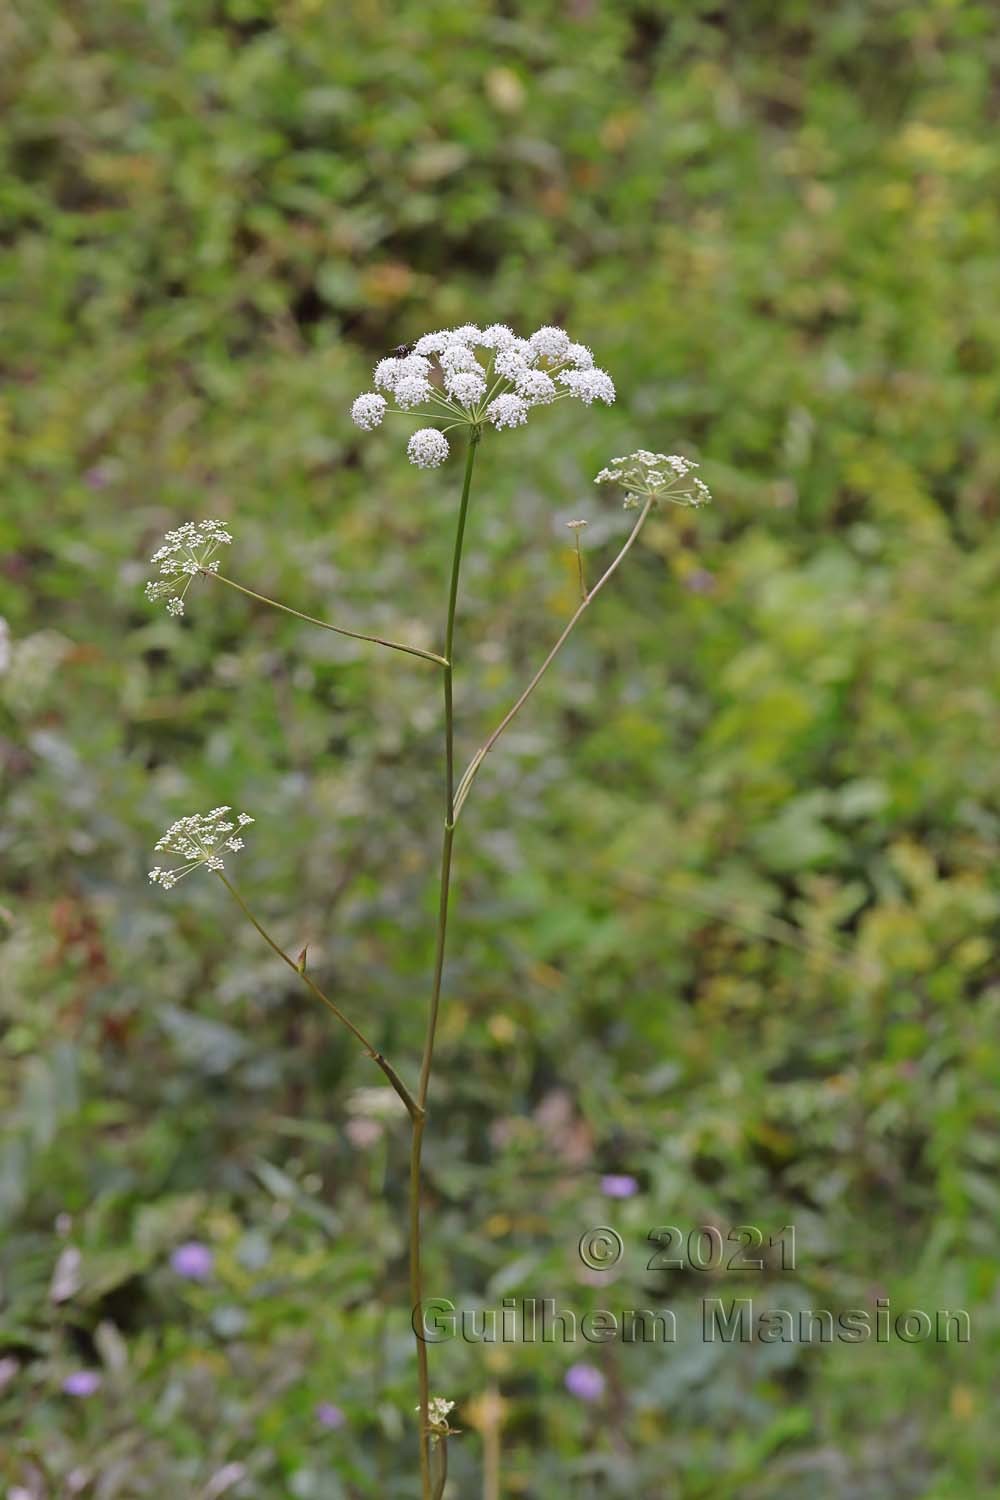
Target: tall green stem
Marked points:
419	1119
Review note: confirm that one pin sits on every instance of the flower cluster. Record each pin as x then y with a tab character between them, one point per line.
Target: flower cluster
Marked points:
438	1408
656	476
198	839
185	553
469	376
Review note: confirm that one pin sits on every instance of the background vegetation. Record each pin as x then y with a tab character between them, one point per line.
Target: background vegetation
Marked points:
726	894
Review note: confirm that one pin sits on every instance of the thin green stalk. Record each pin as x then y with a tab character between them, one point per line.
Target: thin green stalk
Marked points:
414	1110
420	1118
355	635
442	1478
484	749
579	569
492	1421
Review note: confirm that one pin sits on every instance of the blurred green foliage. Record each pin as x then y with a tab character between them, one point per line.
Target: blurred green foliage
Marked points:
727	893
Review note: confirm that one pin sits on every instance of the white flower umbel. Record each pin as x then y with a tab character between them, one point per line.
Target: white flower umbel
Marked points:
580	356
656	476
469	377
427	448
467	387
456	356
368	410
198	839
588	385
410	390
507	411
186	552
535	387
511	363
550	344
438	1411
497	336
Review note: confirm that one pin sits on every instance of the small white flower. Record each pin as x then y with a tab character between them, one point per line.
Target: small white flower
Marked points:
432	343
467	334
588	385
427	448
438	1409
550	343
368	411
198	839
187	551
507	410
410	390
535	387
457	356
510	363
414	364
525	349
497	336
465	387
386	373
580	356
657	476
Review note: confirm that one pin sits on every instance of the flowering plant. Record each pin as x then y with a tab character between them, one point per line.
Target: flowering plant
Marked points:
186	552
655	476
463	378
198	839
471	377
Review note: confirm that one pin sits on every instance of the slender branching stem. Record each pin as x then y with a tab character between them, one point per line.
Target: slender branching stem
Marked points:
484	749
414	1110
420	1119
355	635
579	569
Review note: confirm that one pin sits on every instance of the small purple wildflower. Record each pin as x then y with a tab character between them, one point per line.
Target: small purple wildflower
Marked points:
700	581
328	1415
584	1382
82	1383
619	1185
193	1260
